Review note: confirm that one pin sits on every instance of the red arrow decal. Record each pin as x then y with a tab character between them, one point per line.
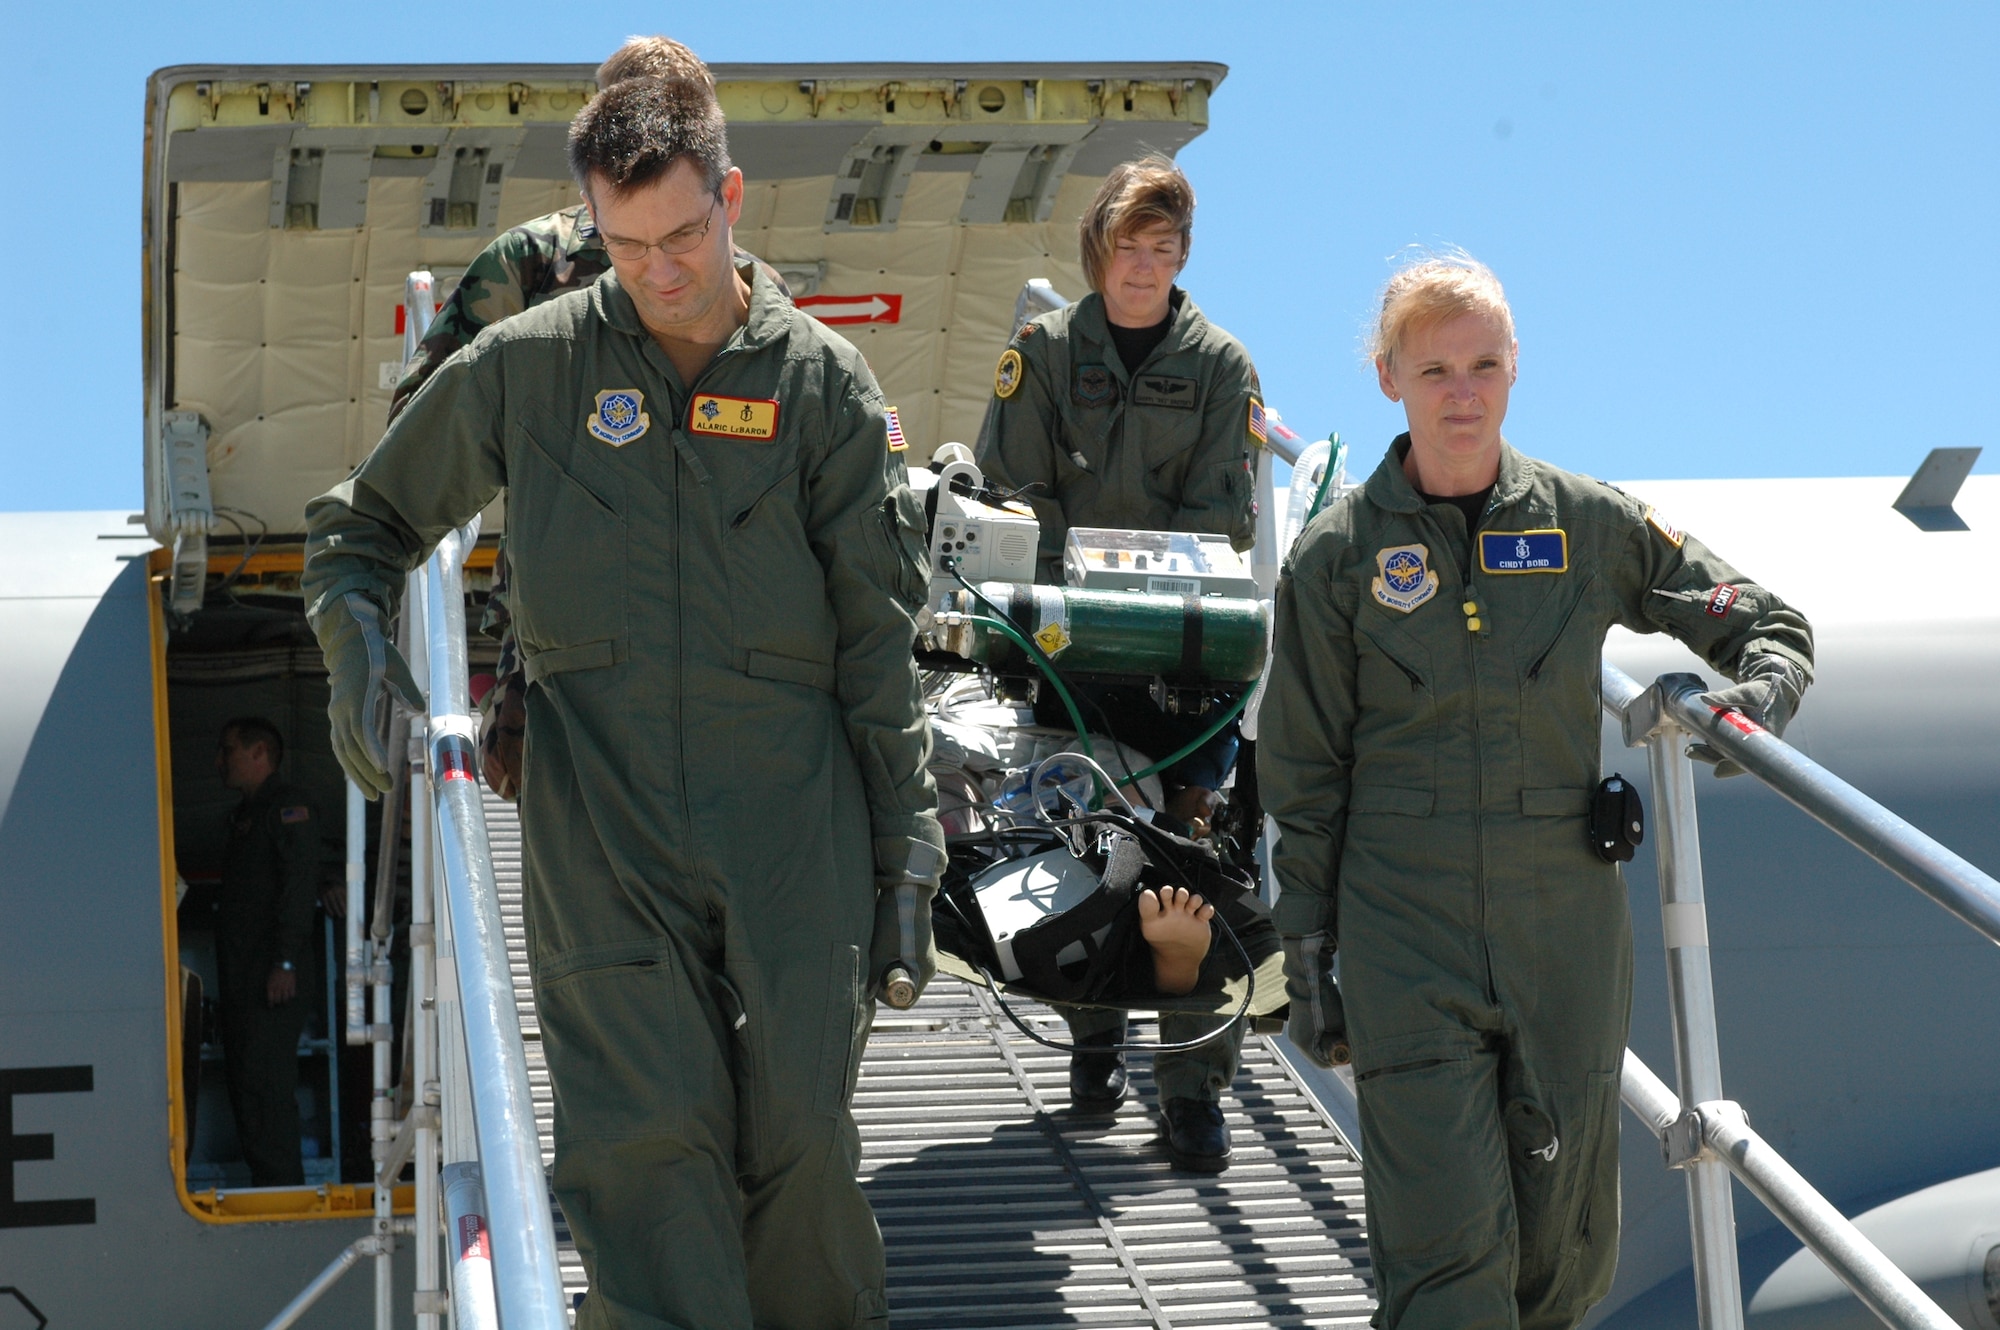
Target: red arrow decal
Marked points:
879	308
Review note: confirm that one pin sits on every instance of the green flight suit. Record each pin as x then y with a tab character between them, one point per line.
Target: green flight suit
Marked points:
264	916
1165	449
1168	448
537	261
1428	749
714	594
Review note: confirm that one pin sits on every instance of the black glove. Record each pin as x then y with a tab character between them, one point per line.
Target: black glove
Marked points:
902	958
1318	1023
364	670
1768	688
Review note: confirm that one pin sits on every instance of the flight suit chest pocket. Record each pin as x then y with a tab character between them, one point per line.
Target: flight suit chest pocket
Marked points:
746	471
1558	638
1166	437
566	538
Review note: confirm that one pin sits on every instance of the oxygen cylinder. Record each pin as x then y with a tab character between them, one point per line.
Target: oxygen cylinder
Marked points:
1184	639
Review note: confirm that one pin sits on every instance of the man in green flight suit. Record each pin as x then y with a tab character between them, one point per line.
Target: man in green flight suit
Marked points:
536	261
1130	409
1429	748
263	927
717	563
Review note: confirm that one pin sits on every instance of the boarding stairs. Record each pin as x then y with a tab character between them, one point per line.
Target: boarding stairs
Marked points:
1001	1210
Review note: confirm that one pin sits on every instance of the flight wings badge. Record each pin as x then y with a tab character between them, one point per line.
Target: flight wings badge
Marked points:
620	416
1406	579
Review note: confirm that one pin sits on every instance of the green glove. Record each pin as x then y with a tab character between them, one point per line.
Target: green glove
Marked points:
364	673
1317	1026
902	957
1768	689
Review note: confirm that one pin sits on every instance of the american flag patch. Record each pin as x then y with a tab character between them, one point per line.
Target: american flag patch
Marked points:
296	813
1259	430
897	443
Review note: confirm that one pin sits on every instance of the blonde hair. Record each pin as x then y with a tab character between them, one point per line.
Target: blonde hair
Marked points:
1430	287
1137	195
653	57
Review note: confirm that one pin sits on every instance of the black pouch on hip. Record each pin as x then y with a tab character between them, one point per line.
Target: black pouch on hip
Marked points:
1617	823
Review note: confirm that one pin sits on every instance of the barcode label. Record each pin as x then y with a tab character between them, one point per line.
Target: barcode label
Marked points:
1173	586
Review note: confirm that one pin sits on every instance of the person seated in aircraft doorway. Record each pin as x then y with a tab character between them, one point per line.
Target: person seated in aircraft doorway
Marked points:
263	930
524	267
1430	750
1130	409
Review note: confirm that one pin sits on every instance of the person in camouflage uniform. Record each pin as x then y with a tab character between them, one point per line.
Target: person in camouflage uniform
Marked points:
526	266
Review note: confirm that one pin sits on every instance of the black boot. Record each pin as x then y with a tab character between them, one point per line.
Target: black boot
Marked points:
1097	1080
1197	1138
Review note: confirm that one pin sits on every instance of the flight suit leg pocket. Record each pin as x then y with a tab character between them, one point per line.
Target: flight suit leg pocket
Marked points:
1559	1141
844	1032
1431	1146
616	1030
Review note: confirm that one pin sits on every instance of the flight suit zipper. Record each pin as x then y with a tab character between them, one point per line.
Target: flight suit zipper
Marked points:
1470	594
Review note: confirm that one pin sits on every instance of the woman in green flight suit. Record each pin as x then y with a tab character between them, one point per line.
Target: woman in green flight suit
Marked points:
1428	747
1130	409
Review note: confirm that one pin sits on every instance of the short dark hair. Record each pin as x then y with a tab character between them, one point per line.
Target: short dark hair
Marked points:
256	730
652	57
633	132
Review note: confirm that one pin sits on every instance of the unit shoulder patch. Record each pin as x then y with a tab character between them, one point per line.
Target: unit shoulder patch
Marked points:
1670	533
734	417
1007	374
1406	579
1165	390
1545	551
619	417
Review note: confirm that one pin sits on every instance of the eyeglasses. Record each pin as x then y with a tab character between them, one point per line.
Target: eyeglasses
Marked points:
680	242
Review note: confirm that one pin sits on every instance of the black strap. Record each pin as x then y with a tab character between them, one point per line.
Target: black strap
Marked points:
1190	638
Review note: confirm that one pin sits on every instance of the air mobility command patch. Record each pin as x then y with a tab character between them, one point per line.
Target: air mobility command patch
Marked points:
1007	374
895	424
1093	386
734	417
1260	428
1406	581
1670	533
1524	551
620	416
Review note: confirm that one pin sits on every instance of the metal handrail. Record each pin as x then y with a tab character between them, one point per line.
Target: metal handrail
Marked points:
1889	1293
1700	1131
1945	877
522	1233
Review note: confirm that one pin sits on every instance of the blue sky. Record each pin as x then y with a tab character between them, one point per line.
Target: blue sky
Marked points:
1741	240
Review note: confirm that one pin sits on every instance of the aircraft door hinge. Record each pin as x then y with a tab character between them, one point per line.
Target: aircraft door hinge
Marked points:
190	510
